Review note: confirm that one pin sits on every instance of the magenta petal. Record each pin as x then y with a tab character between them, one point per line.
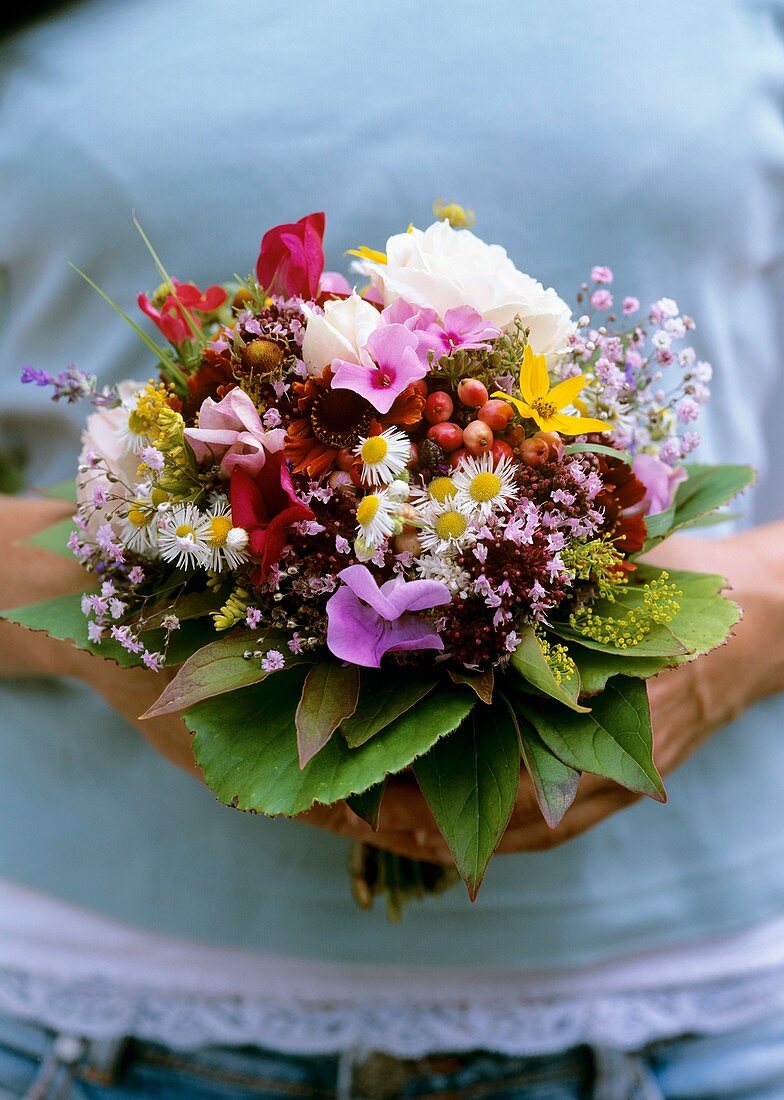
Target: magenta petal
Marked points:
409	633
413	595
388	344
354	630
361	582
359	379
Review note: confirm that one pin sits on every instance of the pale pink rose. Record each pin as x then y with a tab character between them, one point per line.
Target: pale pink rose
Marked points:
230	431
104	437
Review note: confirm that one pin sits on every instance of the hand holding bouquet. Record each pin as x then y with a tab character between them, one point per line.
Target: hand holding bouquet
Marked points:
396	527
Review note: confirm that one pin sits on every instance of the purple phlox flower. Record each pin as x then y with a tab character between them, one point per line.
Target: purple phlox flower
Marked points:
252	617
366	621
630	305
522	526
388	364
660	480
562	496
153	661
271	418
272	661
480	553
601	274
136	575
280	387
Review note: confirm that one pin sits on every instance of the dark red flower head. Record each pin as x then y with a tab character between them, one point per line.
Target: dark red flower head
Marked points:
266	506
292	258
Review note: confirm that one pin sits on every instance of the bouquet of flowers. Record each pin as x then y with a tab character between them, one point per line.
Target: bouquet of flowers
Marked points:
396	527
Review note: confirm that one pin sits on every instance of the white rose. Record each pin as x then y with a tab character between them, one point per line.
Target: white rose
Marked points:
444	267
339	332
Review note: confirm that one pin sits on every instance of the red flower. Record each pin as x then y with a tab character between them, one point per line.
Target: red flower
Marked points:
292	258
187	301
266	506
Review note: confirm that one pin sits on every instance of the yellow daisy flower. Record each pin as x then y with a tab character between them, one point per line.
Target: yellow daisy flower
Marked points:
544	405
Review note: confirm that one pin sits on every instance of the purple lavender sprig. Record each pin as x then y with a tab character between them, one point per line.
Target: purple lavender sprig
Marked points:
72	385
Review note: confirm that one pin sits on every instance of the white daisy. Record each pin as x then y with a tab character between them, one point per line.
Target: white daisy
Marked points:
384	456
182	536
439	489
128	433
377	519
226	544
138	529
447	526
485	486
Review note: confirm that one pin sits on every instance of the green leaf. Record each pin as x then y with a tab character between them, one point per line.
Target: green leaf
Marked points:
614	740
598	448
54	539
193	605
596	667
329	695
470	783
480	682
246	744
383	697
220	667
62	490
367	804
529	662
660	523
554	783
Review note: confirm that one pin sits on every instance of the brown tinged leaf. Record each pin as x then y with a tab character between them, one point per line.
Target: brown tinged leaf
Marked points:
329	695
480	682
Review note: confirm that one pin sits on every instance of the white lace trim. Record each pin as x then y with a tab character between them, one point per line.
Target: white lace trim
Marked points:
101	1010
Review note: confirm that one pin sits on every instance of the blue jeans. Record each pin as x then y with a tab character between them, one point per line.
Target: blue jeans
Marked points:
37	1065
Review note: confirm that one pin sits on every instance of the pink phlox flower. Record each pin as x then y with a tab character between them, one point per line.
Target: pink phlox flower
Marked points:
388	364
230	431
366	620
187	301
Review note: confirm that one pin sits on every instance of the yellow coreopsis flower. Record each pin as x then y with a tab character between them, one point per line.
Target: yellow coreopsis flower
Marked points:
544	405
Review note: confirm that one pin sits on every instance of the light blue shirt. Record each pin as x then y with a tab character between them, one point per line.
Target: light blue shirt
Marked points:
649	137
